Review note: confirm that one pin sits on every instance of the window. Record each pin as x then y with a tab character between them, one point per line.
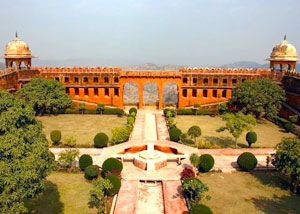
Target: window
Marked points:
57	79
205	93
195	80
76	79
185	80
224	93
106	79
106	92
85	79
215	93
116	79
194	93
86	92
184	92
76	91
67	90
96	79
66	79
215	81
116	92
234	81
96	92
205	80
224	81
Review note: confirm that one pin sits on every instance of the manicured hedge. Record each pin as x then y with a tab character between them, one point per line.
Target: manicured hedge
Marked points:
91	172
55	136
100	140
206	163
116	182
200	209
133	110
85	161
288	127
116	111
247	161
111	165
193	112
175	134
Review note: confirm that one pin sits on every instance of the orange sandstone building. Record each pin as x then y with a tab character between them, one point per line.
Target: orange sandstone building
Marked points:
106	85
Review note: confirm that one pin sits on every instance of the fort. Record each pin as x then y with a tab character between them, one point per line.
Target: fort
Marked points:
194	85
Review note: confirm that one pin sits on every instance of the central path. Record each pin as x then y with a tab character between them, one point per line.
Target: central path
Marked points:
150	127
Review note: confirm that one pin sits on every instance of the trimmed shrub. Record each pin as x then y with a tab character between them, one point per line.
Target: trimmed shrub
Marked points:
100	108
55	136
133	110
251	138
288	127
117	111
175	134
188	141
111	165
120	134
247	161
85	161
293	118
91	111
130	120
171	114
82	108
192	112
73	105
187	173
100	140
116	182
194	132
133	114
194	158
206	163
197	105
200	209
91	172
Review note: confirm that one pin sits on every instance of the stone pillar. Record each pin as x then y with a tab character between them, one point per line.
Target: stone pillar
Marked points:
141	88
160	96
180	104
121	104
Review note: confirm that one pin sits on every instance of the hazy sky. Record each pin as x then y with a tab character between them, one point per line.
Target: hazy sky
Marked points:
184	32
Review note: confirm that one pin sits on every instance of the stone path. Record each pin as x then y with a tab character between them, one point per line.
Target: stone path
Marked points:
127	197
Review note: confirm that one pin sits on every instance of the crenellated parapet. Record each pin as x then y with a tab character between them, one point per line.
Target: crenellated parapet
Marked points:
227	71
78	69
151	73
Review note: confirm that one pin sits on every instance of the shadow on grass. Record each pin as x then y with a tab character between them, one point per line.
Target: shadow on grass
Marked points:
286	204
278	205
223	142
47	202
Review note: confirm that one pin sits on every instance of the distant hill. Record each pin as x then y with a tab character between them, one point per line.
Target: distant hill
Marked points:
2	66
245	64
151	66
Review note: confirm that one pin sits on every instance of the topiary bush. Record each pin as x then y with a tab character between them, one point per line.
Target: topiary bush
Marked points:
175	134
200	209
85	161
111	165
116	182
251	138
194	158
288	127
206	163
133	110
247	161
55	136
100	140
91	172
133	114
194	132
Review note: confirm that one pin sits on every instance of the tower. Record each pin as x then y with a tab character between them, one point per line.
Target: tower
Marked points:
17	54
283	57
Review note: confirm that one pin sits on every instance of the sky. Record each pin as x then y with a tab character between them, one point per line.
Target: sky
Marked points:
124	32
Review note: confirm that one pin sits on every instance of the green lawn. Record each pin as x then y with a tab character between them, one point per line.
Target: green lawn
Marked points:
241	192
268	134
65	193
82	127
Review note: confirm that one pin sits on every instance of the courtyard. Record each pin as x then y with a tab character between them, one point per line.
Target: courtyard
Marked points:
268	133
82	127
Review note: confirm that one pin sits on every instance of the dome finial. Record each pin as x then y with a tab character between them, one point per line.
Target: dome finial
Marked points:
284	37
16	34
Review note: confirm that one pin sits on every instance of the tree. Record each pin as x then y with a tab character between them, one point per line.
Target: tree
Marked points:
45	95
67	158
98	195
25	160
194	189
100	108
120	135
287	159
251	138
194	132
236	124
262	95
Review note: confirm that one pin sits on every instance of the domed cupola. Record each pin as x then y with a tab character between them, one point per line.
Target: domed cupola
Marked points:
17	54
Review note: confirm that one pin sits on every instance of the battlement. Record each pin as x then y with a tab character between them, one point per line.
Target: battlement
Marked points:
150	73
292	74
237	71
78	69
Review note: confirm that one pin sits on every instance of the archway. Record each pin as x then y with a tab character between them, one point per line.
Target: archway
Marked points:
170	94
278	68
131	93
22	65
150	94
